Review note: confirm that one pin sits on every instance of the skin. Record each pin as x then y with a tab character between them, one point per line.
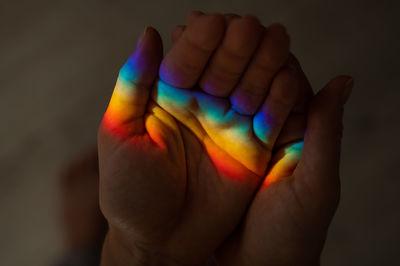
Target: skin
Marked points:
179	183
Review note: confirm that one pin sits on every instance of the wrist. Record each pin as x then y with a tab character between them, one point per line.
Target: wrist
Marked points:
115	252
120	251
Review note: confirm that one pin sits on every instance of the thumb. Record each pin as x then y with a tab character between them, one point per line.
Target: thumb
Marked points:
124	115
319	163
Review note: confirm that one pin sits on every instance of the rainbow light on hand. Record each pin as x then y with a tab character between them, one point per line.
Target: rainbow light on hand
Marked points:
289	158
128	102
232	140
212	117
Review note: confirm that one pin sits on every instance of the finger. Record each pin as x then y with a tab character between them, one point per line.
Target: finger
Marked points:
192	16
184	63
295	125
230	17
283	94
230	59
163	129
289	145
320	160
268	59
177	33
127	106
284	162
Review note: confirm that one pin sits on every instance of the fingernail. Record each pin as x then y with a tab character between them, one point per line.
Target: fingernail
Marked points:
146	29
292	64
348	86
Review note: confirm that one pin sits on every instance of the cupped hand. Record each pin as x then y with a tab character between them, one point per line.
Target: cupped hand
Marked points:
181	160
183	150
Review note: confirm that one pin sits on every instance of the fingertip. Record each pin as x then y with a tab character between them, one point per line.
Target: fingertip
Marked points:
127	105
280	33
277	27
251	19
339	81
229	17
339	88
217	23
191	17
348	90
147	52
152	38
177	32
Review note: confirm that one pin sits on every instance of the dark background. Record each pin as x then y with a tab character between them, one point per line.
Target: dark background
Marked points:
58	65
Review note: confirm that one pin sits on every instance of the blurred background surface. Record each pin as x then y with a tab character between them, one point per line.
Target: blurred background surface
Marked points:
58	64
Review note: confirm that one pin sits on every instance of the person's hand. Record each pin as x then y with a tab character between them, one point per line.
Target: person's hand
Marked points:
288	219
177	172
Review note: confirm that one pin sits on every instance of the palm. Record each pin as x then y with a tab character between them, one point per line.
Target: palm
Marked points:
218	127
207	165
289	216
184	165
276	220
179	171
